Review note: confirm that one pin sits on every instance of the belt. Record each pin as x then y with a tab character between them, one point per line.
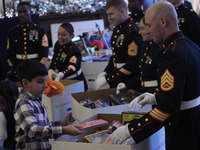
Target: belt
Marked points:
190	104
75	74
26	56
119	65
152	83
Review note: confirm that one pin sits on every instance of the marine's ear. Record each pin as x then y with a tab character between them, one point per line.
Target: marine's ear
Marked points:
163	21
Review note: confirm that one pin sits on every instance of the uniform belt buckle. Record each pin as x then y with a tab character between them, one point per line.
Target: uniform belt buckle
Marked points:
24	57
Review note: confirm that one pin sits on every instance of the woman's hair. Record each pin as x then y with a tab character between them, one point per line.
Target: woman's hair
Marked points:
9	92
68	27
143	20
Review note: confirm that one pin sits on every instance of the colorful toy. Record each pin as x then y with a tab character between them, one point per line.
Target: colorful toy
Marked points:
53	87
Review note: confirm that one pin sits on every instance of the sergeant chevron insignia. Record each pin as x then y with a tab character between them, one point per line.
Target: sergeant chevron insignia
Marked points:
167	81
133	49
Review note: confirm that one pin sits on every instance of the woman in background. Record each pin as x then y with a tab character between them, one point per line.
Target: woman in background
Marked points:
66	62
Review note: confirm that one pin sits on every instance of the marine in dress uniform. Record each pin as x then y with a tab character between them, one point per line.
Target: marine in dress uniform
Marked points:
147	81
137	13
178	99
27	41
137	16
189	23
66	56
127	48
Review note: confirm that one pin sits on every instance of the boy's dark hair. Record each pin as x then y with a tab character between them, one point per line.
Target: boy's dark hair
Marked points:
30	69
119	4
24	3
68	27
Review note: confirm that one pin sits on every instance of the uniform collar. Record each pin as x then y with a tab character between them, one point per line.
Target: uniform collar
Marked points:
26	25
66	45
137	12
180	7
171	39
150	43
125	23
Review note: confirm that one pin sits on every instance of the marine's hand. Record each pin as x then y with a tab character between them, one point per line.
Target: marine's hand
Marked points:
120	135
102	74
51	73
143	99
120	87
59	76
100	82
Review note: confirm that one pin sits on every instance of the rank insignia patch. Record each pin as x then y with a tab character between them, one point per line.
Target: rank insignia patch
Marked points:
133	49
73	59
159	115
167	81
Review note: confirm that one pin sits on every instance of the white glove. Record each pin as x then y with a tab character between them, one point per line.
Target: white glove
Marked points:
102	75
120	135
59	76
143	99
120	87
100	82
51	73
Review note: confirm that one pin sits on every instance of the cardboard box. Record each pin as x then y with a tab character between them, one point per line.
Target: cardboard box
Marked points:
154	142
58	106
82	113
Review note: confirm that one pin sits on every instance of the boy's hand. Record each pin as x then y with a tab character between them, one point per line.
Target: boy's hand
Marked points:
72	130
69	119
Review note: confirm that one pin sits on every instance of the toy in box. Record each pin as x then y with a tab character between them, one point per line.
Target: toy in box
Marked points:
122	98
128	116
89	138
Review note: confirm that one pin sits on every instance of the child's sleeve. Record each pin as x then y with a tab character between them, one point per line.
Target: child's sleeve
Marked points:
32	118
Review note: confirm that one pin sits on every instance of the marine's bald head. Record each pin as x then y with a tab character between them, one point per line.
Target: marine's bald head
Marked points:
162	15
163	8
